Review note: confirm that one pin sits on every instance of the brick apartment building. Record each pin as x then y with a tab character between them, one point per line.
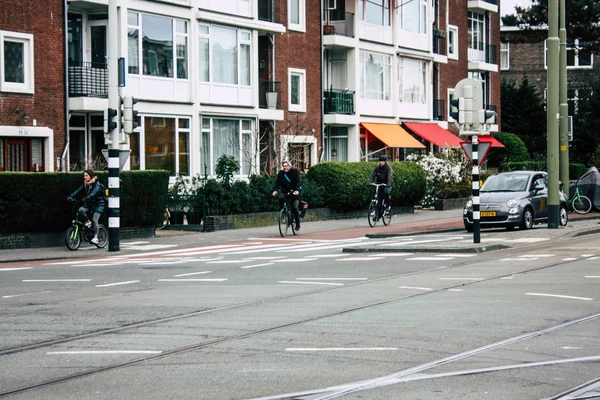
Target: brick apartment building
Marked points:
32	84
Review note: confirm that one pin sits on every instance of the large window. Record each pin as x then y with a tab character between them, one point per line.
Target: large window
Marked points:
297	15
375	12
336	143
16	62
412	16
477	38
453	42
412	75
224	55
375	75
577	57
163	43
231	137
166	144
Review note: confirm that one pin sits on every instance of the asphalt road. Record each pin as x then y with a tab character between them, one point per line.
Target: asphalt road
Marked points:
302	319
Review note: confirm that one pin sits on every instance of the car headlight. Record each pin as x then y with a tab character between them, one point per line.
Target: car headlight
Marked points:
511	203
514	210
469	204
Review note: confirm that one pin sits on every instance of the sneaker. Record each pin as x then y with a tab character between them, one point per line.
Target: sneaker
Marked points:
297	227
94	241
88	224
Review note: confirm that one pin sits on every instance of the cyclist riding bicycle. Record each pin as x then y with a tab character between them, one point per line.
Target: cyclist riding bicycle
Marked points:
93	202
288	179
382	174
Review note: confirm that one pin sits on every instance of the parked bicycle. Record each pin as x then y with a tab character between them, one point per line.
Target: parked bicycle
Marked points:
373	212
579	203
166	219
78	232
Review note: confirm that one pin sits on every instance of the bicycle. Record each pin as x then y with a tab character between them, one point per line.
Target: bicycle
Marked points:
166	219
286	217
78	231
579	203
372	212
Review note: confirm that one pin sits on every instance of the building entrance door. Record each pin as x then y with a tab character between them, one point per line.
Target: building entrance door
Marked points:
17	155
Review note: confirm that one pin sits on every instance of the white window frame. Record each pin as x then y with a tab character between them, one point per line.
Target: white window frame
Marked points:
28	63
422	92
386	76
301	25
453	35
449	102
504	51
245	160
301	73
572	47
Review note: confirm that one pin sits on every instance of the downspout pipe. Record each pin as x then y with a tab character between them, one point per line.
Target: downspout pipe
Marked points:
321	159
63	162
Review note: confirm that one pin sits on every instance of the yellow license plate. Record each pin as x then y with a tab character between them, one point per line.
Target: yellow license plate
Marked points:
488	213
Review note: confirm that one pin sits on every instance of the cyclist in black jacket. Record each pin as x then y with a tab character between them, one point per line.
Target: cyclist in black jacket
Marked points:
288	179
382	174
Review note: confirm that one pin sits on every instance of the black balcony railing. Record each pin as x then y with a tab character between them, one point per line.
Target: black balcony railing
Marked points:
87	79
268	10
269	95
439	42
439	110
338	101
482	52
338	23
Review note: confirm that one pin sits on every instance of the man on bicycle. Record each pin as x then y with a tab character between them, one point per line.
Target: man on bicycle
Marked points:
382	174
93	202
288	179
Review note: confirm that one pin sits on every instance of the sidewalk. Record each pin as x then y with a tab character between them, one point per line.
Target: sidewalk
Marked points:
422	221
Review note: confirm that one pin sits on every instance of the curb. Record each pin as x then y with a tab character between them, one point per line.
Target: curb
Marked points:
475	249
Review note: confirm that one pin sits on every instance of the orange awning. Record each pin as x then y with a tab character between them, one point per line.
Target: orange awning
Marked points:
392	135
434	133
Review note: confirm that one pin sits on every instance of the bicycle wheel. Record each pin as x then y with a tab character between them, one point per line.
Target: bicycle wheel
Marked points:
372	214
582	205
102	237
165	221
283	222
72	238
291	222
387	216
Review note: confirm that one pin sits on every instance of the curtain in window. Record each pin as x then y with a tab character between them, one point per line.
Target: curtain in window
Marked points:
226	138
373	77
224	55
133	51
204	65
413	81
245	65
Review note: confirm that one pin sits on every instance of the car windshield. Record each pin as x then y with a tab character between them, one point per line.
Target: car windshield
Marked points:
505	183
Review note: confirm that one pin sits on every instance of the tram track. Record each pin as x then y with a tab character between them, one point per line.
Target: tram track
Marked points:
489	257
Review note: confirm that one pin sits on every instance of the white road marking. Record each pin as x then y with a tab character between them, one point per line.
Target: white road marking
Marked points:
507	277
569	259
192	273
149	247
536	255
56	280
325	246
14	269
312	283
117	283
328	255
360	259
454	255
194	280
341	348
570	348
24	294
415	287
586	255
428	258
528	240
592	276
391	254
560	296
455	290
461	279
256	265
293	260
267	258
518	259
594	258
332	279
105	352
226	262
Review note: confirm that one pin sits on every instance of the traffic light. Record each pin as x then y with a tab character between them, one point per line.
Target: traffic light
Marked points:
486	117
465	106
109	124
454	106
129	114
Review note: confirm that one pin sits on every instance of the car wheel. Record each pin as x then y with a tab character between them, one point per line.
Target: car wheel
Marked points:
527	221
563	216
469	228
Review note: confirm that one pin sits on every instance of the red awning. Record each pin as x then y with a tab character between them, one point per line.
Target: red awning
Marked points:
493	141
435	134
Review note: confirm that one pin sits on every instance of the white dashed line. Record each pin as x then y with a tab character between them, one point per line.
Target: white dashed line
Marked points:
332	279
14	269
53	353
361	259
313	283
461	279
342	349
117	283
192	273
559	296
193	280
429	258
415	288
256	265
56	280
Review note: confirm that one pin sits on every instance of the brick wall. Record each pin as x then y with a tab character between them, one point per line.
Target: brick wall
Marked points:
45	20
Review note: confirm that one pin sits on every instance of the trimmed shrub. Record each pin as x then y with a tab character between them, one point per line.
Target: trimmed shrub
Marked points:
514	150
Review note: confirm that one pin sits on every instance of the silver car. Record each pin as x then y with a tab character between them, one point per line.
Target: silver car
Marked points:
511	199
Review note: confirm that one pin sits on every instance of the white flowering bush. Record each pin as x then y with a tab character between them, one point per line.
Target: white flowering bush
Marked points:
447	176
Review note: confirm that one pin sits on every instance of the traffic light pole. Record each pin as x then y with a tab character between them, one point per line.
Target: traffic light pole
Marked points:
563	154
552	116
475	183
113	151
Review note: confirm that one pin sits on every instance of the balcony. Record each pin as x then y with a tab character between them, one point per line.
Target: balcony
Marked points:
87	79
338	101
338	23
483	6
439	110
482	57
439	42
269	95
268	11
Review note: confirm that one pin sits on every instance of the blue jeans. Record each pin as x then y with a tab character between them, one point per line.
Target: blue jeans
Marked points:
83	216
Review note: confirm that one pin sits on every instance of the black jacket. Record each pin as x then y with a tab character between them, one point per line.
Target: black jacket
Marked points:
289	183
382	174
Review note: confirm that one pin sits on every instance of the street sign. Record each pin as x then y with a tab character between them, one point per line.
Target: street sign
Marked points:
482	149
123	156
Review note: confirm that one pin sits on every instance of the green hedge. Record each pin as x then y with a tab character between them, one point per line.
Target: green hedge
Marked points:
36	202
345	188
514	150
